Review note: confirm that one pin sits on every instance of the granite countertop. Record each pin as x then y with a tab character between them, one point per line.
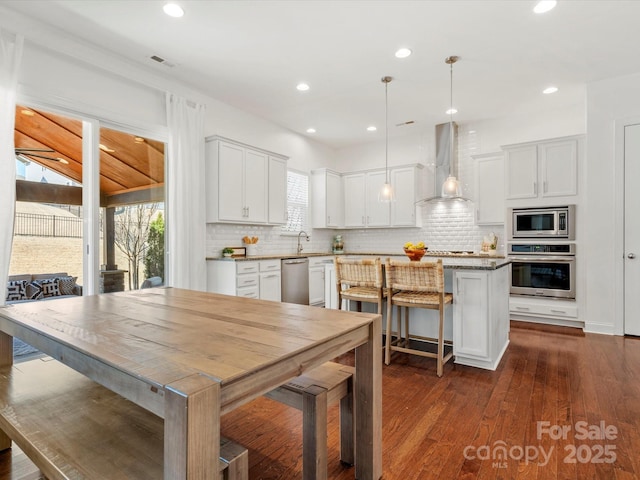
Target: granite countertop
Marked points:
459	261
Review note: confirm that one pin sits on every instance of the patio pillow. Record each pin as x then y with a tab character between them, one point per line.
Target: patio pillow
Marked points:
67	285
17	290
49	287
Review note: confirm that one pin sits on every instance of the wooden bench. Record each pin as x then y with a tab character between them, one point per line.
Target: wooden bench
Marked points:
73	428
312	393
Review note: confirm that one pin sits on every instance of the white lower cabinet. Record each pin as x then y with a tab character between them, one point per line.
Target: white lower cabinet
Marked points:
270	280
480	317
246	278
317	280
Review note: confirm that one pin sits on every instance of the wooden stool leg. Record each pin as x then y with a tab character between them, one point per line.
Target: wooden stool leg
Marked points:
347	432
387	342
406	327
440	359
314	433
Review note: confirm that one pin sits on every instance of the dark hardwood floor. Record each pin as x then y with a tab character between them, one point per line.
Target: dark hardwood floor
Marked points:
476	424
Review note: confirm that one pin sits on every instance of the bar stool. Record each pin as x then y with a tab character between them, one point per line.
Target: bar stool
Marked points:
416	285
359	281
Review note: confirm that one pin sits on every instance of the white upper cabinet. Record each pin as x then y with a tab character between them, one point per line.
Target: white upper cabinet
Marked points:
277	190
490	186
355	190
326	199
244	184
378	214
521	170
542	169
404	211
362	208
559	167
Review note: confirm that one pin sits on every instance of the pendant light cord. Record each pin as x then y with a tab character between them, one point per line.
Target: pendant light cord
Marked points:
386	132
451	119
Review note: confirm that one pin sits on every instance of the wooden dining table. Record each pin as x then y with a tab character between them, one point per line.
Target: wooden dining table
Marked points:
190	357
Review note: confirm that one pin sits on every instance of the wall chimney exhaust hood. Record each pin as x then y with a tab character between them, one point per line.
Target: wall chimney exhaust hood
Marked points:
446	164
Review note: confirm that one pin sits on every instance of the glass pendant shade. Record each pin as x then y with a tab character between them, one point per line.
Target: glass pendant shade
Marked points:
451	188
386	193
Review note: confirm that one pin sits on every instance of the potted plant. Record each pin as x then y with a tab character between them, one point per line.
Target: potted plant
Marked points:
227	252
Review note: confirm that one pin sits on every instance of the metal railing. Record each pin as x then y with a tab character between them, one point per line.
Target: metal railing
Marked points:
39	225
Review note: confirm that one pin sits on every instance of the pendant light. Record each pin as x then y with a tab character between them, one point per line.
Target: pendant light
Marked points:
386	193
451	186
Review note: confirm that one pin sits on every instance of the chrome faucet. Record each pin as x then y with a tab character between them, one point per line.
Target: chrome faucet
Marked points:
300	246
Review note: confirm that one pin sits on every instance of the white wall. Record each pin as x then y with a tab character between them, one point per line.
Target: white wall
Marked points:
608	101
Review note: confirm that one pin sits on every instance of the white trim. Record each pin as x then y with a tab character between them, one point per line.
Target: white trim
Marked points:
91	205
619	206
83	111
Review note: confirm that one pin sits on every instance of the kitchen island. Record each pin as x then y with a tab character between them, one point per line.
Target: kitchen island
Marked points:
478	323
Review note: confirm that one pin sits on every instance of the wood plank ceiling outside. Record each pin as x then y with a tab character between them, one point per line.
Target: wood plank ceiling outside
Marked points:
129	165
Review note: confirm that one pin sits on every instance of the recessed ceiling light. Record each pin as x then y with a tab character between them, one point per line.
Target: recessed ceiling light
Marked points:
27	112
63	160
544	6
173	10
311	130
403	53
372	128
451	111
303	87
138	139
549	90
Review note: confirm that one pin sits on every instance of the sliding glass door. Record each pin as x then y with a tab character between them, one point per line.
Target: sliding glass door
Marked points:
90	202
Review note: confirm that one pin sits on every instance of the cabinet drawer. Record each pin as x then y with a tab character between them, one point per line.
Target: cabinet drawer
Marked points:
248	292
524	308
248	280
320	261
246	267
269	265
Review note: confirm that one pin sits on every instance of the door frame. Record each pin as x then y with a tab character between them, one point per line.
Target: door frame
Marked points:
619	205
92	121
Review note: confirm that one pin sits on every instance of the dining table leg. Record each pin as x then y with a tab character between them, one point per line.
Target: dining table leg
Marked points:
192	429
368	405
6	359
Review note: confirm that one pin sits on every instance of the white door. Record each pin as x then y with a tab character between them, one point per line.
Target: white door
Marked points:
631	230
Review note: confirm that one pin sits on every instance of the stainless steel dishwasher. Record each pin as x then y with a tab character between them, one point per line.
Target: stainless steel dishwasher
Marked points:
295	280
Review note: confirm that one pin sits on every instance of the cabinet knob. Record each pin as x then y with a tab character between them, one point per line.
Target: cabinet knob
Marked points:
631	256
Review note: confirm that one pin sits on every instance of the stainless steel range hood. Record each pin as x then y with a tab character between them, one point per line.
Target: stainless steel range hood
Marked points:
443	164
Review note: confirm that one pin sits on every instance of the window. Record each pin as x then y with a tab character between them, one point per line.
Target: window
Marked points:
297	202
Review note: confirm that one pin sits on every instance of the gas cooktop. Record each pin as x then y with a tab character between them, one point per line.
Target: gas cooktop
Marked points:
449	252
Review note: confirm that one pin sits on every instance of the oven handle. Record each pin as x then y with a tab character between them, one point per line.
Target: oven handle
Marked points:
567	259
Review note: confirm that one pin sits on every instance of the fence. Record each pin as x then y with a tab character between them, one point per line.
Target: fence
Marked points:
39	225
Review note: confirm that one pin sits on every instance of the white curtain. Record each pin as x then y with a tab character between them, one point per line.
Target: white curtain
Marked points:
186	229
10	56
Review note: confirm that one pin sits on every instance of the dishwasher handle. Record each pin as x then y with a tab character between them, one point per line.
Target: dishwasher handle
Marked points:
295	262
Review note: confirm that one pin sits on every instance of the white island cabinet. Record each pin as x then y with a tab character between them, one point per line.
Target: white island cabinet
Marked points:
480	317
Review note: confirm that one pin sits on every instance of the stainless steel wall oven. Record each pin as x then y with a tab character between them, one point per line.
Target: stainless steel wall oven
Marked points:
543	270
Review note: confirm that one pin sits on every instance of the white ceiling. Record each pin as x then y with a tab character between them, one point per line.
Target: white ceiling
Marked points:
251	54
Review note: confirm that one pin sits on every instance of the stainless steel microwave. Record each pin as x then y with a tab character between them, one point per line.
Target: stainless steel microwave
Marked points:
547	222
